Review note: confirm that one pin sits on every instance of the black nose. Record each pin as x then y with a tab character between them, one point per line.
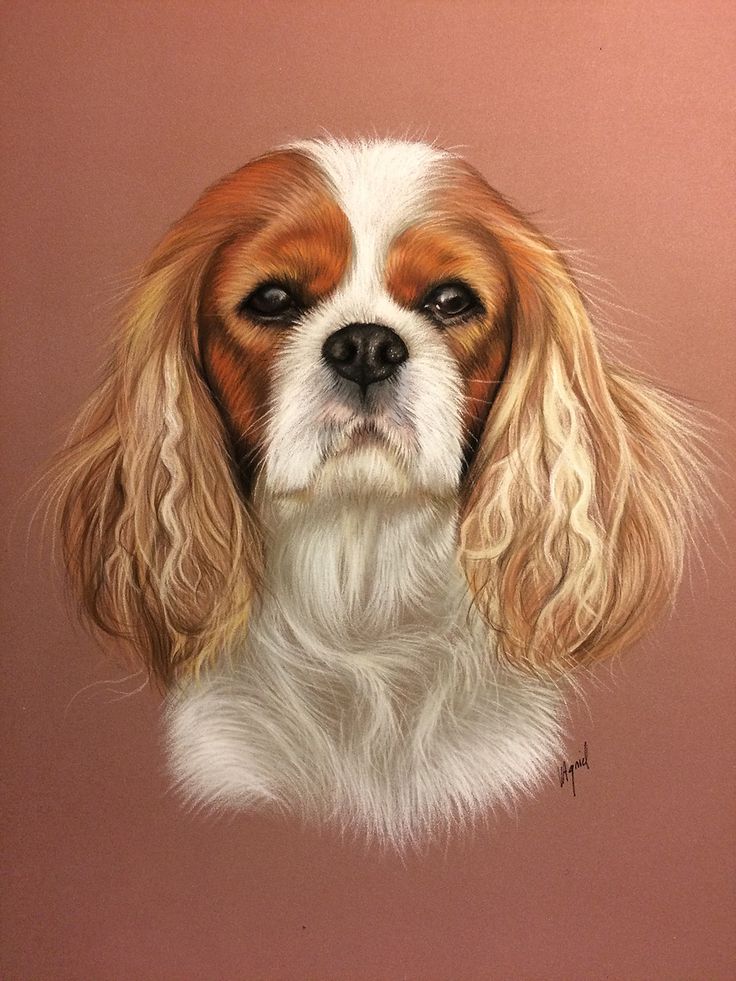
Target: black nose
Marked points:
364	353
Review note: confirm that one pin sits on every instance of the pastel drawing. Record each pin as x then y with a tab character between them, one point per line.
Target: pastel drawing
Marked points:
363	493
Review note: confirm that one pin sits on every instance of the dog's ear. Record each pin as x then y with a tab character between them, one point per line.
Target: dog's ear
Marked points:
157	536
587	479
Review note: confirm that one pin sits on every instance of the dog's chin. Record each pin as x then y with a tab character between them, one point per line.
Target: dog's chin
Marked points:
364	469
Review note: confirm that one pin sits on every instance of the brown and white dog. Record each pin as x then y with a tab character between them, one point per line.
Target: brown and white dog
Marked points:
360	490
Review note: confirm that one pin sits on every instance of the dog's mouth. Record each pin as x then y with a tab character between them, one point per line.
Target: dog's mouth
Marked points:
371	434
365	433
364	456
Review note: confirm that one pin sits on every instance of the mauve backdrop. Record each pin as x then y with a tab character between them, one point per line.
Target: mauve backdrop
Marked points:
609	122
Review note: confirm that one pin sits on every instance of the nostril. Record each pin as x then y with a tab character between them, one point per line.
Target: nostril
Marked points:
393	352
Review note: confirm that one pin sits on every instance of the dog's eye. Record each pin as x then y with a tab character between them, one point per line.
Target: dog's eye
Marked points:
450	301
270	302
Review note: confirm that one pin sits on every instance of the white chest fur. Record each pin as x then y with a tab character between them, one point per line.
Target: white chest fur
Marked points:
367	690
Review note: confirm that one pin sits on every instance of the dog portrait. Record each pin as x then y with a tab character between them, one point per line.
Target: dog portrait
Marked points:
365	491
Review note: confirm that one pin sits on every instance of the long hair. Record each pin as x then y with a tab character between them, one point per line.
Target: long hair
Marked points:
157	537
576	508
587	481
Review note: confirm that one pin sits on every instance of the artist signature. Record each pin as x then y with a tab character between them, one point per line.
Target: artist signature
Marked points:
567	770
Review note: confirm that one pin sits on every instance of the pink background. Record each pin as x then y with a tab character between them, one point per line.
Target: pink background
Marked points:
609	122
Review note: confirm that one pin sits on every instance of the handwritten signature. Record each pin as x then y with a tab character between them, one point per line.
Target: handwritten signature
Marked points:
567	771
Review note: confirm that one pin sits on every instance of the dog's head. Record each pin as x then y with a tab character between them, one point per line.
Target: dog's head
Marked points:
342	320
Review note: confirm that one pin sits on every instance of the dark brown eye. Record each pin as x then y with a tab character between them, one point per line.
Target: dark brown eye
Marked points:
450	301
270	302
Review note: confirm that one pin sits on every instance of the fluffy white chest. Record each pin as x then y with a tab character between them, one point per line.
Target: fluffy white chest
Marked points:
366	691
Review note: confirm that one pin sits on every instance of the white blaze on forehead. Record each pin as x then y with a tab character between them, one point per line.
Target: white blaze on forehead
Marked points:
383	186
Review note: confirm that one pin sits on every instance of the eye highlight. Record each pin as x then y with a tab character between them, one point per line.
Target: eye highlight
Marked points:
270	302
449	302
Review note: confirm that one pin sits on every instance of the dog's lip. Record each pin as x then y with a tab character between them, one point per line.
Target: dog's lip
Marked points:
362	435
366	432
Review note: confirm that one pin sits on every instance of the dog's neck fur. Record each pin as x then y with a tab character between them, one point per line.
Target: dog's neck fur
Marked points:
352	572
367	689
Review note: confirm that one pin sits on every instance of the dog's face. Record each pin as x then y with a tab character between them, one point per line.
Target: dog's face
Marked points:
371	319
357	339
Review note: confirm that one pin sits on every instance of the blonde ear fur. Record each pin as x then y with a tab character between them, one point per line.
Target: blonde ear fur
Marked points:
160	546
585	484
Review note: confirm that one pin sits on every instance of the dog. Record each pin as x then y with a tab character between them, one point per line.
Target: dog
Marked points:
362	491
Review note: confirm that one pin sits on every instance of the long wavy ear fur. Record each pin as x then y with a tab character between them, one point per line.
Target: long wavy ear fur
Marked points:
586	484
158	541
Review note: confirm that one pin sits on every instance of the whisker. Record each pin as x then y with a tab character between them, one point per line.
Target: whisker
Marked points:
110	690
474	398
